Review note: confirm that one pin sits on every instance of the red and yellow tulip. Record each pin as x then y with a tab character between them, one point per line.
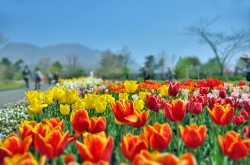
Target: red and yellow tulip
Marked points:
158	135
142	117
97	124
24	159
95	147
80	120
193	136
175	110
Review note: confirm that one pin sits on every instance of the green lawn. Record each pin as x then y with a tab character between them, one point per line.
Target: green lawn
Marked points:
11	86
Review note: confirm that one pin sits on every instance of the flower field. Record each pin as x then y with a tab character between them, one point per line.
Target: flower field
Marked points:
90	121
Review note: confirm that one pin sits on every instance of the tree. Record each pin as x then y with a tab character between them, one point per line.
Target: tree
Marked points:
44	64
127	61
17	65
223	45
110	65
56	67
74	64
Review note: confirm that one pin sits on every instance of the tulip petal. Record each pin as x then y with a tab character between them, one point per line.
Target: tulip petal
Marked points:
187	158
107	150
227	117
192	139
4	153
167	159
43	147
238	151
158	142
84	151
131	118
26	143
62	144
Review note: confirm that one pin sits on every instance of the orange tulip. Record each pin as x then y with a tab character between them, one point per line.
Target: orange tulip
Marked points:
156	158
175	110
68	158
24	159
193	136
80	120
142	117
97	124
221	114
54	122
12	145
95	147
31	128
132	145
53	144
124	111
159	135
233	146
101	162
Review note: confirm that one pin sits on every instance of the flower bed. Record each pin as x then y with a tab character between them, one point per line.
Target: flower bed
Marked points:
104	122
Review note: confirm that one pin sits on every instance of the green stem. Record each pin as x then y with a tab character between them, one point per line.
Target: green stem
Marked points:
177	138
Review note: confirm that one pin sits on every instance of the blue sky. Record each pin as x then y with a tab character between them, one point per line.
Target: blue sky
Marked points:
145	26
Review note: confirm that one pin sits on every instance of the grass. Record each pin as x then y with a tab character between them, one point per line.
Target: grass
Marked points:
11	85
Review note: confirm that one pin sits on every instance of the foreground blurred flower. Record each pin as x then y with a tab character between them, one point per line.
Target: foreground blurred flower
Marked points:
130	86
132	145
95	147
233	146
156	158
54	122
221	114
174	88
68	158
97	124
175	110
24	159
154	102
64	109
193	136
80	120
12	145
53	144
101	162
158	135
124	111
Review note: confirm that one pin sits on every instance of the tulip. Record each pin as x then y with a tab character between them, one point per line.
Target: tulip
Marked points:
242	83
31	128
54	122
204	90
142	95
91	100
123	96
24	159
68	158
80	120
71	96
101	106
238	104
48	99
247	106
59	94
238	120
101	162
235	95
95	147
195	107
130	86
193	136
221	114
132	145
139	104
222	93
174	88
229	100
175	110
36	106
233	146
214	100
142	117
246	132
80	104
53	144
154	102
202	99
124	111
97	125
158	135
164	90
244	114
156	158
64	109
12	145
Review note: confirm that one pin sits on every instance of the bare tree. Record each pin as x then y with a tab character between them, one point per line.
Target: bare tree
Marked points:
127	61
44	64
73	63
224	45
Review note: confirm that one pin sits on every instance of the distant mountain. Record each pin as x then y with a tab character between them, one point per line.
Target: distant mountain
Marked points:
30	54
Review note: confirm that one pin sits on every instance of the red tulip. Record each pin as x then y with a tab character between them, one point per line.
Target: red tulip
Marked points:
202	99
175	110
244	114
195	107
247	106
174	88
238	120
159	135
246	132
222	93
204	90
132	145
54	122
80	120
97	124
221	114
229	100
124	111
238	104
142	117
154	102
233	146
213	101
95	147
193	136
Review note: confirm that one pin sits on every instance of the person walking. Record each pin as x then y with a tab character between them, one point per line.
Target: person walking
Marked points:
26	76
145	73
50	77
170	74
56	77
38	77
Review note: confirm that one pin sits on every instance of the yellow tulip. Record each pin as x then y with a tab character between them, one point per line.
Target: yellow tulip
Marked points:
30	95
71	96
59	94
142	95
64	109
48	99
36	106
123	96
164	90
80	104
109	98
101	106
91	100
139	104
130	86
